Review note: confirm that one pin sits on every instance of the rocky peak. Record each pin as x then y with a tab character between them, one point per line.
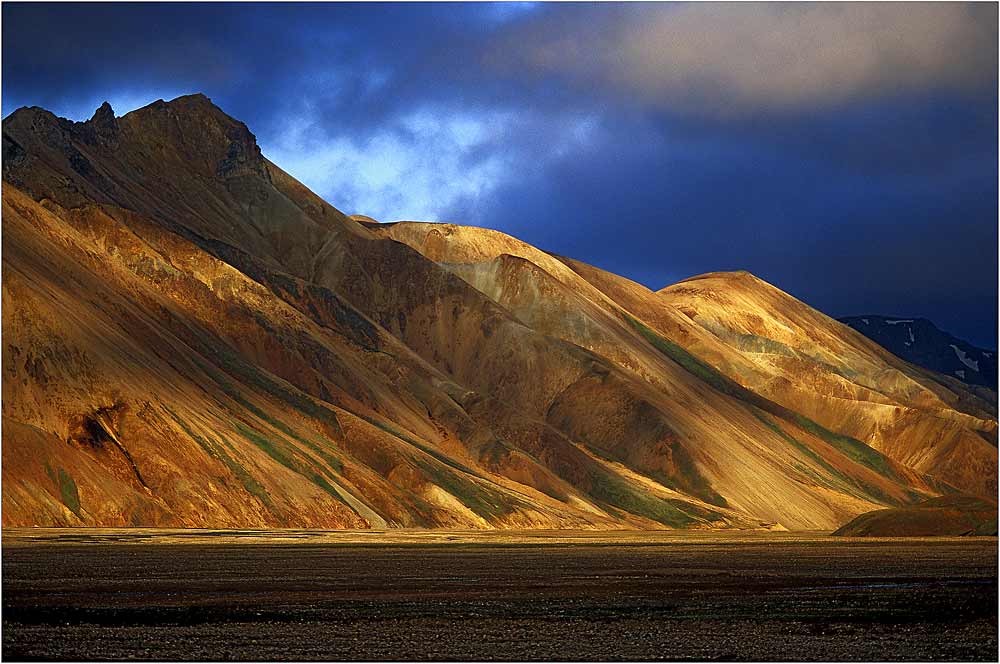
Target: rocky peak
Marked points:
204	133
166	146
105	125
103	115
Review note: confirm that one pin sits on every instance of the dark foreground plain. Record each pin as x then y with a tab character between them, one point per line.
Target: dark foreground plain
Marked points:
296	595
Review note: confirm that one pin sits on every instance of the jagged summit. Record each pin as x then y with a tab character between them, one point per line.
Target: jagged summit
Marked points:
187	112
194	98
103	113
22	111
105	125
190	108
115	160
193	338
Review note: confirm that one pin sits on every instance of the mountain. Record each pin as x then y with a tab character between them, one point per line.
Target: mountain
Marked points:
919	341
193	338
949	516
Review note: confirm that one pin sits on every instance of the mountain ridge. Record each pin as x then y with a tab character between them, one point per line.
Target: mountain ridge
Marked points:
920	341
316	370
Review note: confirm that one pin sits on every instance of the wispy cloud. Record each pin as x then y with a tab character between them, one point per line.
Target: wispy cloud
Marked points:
415	168
426	163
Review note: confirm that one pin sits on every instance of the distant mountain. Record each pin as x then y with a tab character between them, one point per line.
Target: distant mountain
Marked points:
919	341
193	338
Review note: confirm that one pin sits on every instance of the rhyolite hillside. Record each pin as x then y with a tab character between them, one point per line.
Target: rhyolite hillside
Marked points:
193	338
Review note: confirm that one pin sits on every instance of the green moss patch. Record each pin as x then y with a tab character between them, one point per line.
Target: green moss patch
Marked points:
215	451
281	452
611	490
68	492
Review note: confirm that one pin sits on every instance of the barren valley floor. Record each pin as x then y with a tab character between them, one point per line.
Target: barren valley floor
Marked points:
216	595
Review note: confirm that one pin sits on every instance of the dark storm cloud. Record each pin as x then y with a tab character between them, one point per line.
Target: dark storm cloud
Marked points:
847	153
844	241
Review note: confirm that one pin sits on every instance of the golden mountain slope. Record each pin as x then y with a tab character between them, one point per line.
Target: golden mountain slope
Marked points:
837	377
191	337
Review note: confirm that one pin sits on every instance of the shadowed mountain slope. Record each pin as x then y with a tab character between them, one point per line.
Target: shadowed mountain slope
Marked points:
191	337
919	341
944	516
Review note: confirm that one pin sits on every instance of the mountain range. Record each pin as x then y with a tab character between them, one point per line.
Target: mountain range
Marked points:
919	341
193	338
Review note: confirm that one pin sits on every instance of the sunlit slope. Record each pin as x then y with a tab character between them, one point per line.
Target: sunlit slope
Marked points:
135	392
447	455
828	372
635	329
192	337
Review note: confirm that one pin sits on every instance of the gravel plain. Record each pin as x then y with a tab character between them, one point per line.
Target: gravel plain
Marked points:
87	596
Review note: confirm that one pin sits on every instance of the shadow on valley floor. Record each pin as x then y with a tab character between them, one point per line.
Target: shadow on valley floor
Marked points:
744	597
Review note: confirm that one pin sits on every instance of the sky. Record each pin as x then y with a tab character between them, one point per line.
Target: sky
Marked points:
845	152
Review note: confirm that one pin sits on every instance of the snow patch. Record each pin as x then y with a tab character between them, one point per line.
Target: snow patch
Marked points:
897	322
987	355
960	373
965	359
910	330
865	321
